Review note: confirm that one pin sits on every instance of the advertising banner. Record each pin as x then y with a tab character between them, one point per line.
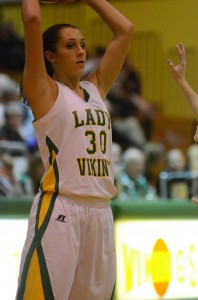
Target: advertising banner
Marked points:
156	259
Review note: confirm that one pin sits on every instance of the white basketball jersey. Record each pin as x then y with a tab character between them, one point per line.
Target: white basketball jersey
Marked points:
74	140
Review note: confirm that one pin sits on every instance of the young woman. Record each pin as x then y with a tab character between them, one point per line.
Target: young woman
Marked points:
69	249
178	73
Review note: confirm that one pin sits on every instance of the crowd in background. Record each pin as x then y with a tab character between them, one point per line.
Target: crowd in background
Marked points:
11	48
143	168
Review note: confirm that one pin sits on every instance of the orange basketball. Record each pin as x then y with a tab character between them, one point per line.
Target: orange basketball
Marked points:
48	1
56	1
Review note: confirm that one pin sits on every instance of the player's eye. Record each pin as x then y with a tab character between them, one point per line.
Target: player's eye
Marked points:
83	45
70	46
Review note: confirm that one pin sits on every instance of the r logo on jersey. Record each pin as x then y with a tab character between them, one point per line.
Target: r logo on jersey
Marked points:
61	218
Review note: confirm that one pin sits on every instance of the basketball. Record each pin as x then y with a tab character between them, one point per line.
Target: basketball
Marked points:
56	1
48	1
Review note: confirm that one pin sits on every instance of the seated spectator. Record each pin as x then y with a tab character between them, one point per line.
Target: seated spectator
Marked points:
11	48
30	180
175	160
155	160
15	128
192	155
36	171
9	91
10	131
9	186
92	61
118	166
176	180
128	110
131	114
133	179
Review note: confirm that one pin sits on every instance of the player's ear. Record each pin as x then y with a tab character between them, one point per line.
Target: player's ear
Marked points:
50	56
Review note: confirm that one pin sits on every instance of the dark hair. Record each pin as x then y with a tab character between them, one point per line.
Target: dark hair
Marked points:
50	38
23	98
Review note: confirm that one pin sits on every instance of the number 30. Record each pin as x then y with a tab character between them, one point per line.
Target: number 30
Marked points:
92	137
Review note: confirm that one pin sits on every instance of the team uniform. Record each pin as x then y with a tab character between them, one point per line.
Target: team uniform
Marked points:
69	248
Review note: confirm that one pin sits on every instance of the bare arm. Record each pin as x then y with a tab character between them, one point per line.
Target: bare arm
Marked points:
178	72
39	88
195	200
117	49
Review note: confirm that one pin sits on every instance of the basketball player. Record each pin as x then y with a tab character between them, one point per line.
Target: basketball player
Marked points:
69	249
178	73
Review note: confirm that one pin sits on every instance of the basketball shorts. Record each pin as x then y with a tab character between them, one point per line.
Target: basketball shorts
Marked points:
69	250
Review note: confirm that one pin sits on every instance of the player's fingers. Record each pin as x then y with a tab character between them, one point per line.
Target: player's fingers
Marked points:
171	66
170	63
180	54
183	50
196	135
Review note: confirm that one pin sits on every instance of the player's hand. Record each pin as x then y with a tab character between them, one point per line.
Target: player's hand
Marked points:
196	135
65	1
195	200
178	70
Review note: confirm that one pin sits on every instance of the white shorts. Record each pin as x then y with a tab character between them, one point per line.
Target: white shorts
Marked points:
69	251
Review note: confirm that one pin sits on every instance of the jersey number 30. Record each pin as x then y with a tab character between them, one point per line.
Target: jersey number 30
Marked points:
93	143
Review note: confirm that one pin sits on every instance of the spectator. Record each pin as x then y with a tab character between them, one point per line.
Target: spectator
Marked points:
175	160
131	114
117	154
11	49
9	186
133	179
9	90
15	128
172	182
155	161
92	61
30	180
192	154
11	130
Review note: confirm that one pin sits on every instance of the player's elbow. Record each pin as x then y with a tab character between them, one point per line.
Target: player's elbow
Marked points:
31	20
127	31
129	28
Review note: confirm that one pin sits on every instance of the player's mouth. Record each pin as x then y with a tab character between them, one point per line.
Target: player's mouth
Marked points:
80	62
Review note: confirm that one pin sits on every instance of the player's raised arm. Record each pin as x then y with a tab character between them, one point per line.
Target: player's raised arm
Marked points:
116	50
178	73
37	84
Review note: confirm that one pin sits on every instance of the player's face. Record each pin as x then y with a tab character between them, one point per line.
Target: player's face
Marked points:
70	53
